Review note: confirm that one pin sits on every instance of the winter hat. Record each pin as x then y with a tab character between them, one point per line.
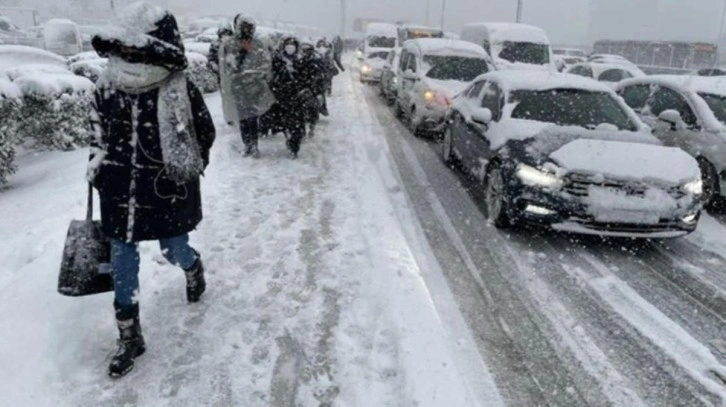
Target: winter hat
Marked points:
285	39
150	32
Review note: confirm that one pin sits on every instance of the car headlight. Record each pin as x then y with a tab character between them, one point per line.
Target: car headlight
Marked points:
429	96
365	69
694	187
534	177
394	80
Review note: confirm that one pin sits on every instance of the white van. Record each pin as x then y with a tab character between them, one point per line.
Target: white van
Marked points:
380	37
62	37
512	46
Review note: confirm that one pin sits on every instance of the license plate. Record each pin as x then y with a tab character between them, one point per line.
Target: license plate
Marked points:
623	216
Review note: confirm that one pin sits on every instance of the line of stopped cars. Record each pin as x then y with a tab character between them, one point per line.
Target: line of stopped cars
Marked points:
604	150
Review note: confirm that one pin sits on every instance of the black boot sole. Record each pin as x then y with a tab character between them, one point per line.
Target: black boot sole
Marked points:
118	375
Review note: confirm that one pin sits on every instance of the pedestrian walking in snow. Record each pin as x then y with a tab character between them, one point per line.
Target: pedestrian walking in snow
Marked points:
248	70
338	48
153	136
325	49
312	73
289	89
213	55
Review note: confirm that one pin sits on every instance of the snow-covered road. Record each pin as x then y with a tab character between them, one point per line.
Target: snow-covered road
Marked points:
362	274
321	291
566	320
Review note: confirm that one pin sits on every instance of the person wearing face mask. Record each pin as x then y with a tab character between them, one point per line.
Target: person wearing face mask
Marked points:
325	49
288	86
312	73
247	70
153	134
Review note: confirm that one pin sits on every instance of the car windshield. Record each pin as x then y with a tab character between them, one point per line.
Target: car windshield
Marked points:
717	104
377	41
570	107
464	69
378	55
525	52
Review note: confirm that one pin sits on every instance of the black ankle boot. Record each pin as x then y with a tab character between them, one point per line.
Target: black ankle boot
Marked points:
130	344
195	281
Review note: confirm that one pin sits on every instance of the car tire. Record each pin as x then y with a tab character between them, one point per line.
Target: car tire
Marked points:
398	112
496	197
447	148
711	185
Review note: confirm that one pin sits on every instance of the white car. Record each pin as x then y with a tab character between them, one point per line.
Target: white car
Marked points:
512	46
12	56
430	73
566	152
610	74
688	112
372	66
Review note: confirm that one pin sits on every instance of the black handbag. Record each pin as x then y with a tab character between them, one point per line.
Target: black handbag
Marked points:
85	267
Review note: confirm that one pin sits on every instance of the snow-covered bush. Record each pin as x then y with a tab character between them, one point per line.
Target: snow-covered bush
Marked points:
54	112
199	73
90	68
10	114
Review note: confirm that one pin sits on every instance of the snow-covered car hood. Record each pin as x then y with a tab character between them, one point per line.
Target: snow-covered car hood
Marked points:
624	160
375	63
449	88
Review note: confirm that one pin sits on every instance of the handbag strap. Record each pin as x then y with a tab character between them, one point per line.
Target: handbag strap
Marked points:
89	208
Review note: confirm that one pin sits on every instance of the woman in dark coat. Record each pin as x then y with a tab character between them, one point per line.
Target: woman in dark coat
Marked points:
289	89
153	136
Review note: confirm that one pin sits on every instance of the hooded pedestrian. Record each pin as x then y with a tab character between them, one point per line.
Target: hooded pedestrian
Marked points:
312	73
222	33
245	80
153	136
289	88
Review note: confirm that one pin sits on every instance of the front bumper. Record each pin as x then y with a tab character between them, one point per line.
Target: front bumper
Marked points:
565	212
371	76
432	118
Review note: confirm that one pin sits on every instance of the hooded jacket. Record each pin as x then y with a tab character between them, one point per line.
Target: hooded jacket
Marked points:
139	200
245	76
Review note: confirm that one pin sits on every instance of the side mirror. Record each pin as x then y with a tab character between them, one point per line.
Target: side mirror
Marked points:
482	116
673	118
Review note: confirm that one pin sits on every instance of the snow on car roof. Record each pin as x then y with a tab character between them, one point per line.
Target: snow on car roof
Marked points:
685	83
12	56
381	29
542	80
599	67
513	32
431	46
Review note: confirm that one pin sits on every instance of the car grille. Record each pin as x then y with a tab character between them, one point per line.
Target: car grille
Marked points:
662	226
579	185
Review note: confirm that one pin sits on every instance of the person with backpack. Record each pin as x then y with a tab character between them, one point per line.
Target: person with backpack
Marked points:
153	134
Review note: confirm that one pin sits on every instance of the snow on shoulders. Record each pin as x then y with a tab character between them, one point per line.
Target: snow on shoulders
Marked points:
141	17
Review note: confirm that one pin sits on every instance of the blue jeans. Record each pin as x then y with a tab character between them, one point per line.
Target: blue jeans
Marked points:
125	265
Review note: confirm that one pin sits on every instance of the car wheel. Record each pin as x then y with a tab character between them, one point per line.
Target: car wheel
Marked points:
496	198
397	110
413	124
711	185
447	148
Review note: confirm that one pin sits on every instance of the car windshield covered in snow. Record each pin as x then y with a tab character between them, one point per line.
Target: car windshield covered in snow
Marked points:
717	104
525	52
458	68
378	55
381	42
570	107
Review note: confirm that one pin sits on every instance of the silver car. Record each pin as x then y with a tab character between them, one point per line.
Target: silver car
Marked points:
688	112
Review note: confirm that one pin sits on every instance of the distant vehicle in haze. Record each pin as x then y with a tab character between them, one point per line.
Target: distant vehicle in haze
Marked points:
563	63
372	67
380	36
411	32
512	46
430	73
62	37
659	57
569	52
610	74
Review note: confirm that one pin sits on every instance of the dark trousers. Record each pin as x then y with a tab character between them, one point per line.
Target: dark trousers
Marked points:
250	130
295	134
